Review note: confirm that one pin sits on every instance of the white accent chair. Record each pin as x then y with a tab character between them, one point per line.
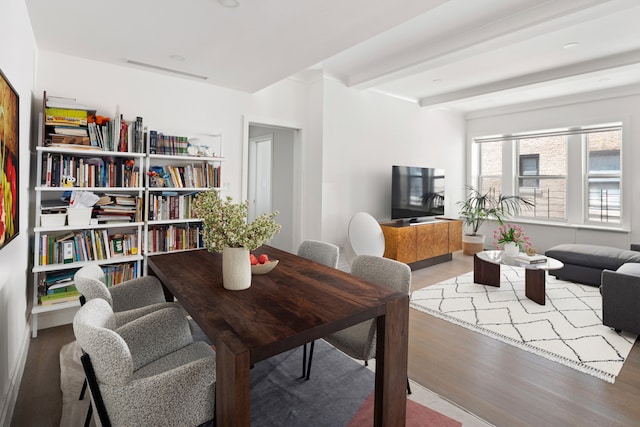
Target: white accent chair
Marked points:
365	236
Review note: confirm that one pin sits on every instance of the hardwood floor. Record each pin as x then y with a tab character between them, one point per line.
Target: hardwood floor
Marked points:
39	400
507	386
498	382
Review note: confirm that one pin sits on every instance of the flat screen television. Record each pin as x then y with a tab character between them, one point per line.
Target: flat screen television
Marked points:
417	193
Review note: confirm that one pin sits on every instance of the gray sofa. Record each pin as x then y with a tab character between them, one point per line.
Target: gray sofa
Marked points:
585	263
620	291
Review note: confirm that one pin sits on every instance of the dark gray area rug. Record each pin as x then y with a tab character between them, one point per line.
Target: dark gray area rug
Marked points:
337	392
331	397
338	387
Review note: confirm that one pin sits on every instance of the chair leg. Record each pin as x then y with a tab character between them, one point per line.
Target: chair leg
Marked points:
96	396
87	420
84	388
408	387
304	360
310	359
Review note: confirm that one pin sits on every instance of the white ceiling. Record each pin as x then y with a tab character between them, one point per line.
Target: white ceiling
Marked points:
466	55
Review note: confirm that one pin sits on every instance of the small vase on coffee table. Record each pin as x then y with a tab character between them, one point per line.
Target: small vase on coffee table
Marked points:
510	249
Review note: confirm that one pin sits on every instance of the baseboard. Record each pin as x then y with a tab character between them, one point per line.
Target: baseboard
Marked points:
8	403
431	261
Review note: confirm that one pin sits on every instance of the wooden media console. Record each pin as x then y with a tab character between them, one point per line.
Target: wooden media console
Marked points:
422	244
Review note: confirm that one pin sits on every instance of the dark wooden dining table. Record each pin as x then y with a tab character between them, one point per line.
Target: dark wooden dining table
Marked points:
295	303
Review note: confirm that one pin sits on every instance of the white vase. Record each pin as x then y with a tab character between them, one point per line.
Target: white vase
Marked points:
236	269
510	249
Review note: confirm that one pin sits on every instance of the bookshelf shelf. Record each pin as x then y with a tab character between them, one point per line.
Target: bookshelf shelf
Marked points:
114	260
88	152
186	158
98	189
54	307
88	227
173	221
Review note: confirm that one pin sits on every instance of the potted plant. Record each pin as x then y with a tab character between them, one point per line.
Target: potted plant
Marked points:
226	230
479	207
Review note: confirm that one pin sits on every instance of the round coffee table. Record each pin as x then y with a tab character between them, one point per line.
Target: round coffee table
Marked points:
486	271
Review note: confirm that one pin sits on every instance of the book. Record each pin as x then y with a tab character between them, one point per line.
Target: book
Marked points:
69	139
63	287
66	116
64	102
67	251
534	259
59	297
75	131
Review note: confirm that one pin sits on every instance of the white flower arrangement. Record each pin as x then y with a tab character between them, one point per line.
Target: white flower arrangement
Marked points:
225	223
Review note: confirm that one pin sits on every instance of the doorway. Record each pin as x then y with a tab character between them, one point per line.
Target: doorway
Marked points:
260	165
271	178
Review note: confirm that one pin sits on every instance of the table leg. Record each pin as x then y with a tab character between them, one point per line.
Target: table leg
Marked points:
233	388
485	273
534	285
391	364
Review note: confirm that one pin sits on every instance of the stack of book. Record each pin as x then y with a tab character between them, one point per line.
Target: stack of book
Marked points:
118	208
86	245
533	259
57	287
66	123
59	169
171	205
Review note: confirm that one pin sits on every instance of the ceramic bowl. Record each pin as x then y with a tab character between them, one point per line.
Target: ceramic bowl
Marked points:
264	268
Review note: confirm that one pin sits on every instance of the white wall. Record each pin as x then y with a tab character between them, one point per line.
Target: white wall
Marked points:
165	103
17	53
365	133
576	111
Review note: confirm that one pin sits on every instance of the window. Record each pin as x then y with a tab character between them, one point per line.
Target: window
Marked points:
529	166
560	170
545	185
604	176
491	167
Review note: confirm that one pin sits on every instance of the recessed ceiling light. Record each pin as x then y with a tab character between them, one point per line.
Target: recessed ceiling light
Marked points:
177	57
570	45
604	80
229	3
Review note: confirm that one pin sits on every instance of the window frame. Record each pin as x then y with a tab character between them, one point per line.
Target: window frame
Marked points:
577	175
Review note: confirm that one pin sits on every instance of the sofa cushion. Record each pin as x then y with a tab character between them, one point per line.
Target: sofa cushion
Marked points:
630	268
603	257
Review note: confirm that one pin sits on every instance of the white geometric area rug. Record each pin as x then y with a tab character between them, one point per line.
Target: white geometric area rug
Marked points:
567	329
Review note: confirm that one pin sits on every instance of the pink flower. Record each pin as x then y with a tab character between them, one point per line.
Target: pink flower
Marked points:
511	233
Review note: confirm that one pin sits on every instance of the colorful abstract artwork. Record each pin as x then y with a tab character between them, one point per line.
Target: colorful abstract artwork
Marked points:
9	153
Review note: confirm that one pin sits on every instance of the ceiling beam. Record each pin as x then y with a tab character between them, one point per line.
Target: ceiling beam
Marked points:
504	31
580	68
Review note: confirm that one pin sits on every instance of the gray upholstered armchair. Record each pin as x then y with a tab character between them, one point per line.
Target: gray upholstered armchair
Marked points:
129	300
324	253
148	372
620	291
359	341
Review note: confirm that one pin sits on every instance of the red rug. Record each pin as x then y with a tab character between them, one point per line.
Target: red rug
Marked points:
417	416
